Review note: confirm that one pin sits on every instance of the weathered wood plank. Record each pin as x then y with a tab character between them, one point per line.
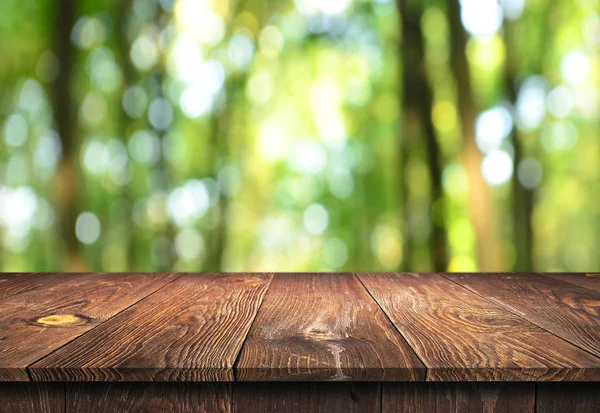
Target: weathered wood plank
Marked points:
458	397
566	310
148	397
460	336
191	330
32	397
325	397
568	397
590	280
18	283
324	327
35	323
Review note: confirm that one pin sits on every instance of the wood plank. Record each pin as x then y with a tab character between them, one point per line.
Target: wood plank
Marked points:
589	280
566	310
324	327
32	397
191	330
148	397
568	397
326	397
18	283
35	323
460	336
458	397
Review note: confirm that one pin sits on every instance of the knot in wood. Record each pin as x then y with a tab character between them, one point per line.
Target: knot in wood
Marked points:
59	319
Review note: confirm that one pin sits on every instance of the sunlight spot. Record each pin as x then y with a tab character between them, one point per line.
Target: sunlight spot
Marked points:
497	168
575	68
144	53
160	114
530	173
481	17
135	101
95	157
189	244
454	179
270	41
335	252
272	140
188	202
16	131
315	219
87	228
307	157
144	147
560	102
531	103
492	126
386	243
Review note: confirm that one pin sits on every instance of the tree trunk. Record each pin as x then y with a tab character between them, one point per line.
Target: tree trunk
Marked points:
123	48
417	125
64	117
481	202
219	139
522	198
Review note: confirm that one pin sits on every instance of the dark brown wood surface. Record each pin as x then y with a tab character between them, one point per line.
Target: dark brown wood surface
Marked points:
191	330
301	397
564	309
568	397
148	398
299	327
461	336
37	322
18	283
458	398
588	280
32	397
324	327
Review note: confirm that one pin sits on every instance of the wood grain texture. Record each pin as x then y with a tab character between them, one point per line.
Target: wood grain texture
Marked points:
324	327
35	323
460	336
568	397
32	397
148	397
564	309
191	330
18	283
458	398
290	397
589	280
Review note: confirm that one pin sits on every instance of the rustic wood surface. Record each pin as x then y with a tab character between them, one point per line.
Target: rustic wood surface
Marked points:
37	322
458	397
564	309
299	327
588	280
295	397
32	397
16	283
148	398
324	327
461	336
567	397
191	330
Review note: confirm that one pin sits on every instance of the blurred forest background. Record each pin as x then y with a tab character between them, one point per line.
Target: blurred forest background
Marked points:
300	135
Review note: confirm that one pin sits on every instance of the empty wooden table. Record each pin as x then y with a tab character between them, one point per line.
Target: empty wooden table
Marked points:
258	342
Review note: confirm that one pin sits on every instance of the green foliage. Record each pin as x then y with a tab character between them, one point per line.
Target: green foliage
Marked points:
270	136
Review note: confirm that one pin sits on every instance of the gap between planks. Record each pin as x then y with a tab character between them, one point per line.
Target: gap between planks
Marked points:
237	356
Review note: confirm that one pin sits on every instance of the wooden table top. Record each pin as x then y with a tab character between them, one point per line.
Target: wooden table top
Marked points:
300	327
